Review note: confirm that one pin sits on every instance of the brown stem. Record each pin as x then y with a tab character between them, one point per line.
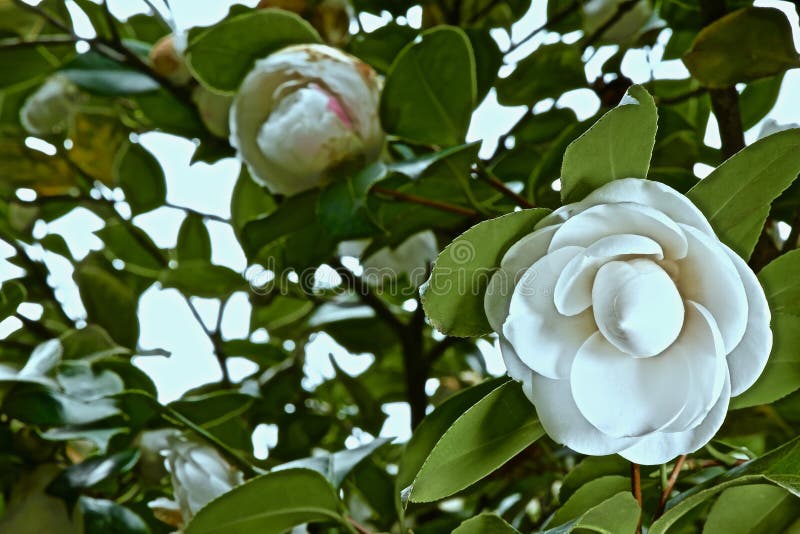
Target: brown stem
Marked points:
667	490
636	489
486	175
725	104
414	199
361	529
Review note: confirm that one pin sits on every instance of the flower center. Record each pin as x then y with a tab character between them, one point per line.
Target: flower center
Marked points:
637	306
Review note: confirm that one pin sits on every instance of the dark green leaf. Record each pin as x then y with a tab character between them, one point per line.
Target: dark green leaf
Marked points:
12	294
223	55
270	504
249	201
194	243
736	197
96	73
590	468
133	246
101	516
493	431
109	302
617	515
781	284
430	90
379	48
751	510
619	145
36	406
336	466
202	279
342	204
485	524
758	98
588	496
453	295
141	177
547	73
93	471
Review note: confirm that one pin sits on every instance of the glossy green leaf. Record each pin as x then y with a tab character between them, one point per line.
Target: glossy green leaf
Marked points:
141	177
202	279
778	467
781	283
782	373
101	515
34	405
758	98
751	510
270	504
249	201
547	73
222	56
342	204
489	434
485	524
736	197
109	302
617	515
93	471
618	145
453	295
194	243
133	246
433	427
98	74
431	88
588	496
745	45
591	468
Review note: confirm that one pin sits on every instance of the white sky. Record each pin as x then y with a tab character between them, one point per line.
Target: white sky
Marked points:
165	319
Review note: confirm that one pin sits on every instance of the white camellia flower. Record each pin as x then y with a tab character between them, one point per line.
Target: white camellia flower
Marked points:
199	474
302	111
629	324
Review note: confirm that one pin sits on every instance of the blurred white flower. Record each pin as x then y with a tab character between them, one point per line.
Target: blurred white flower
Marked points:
301	112
48	110
629	324
199	474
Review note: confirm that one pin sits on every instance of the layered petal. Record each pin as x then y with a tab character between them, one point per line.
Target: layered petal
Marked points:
661	447
747	360
708	276
545	340
605	220
564	423
624	396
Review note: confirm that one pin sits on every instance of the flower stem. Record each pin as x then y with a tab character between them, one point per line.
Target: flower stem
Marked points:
668	487
636	489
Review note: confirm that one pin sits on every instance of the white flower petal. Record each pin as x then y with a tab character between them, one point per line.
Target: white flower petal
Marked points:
565	424
544	339
623	218
517	259
515	367
650	193
661	447
637	306
573	291
747	360
624	396
708	276
700	343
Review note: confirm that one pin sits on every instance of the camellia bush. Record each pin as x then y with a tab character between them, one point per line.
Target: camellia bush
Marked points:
647	319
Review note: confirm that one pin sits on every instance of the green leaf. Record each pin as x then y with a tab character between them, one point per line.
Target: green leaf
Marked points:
109	302
590	468
431	88
588	496
12	294
485	524
493	431
342	204
758	98
380	47
194	243
453	295
133	246
249	201
618	145
141	177
37	406
778	467
618	515
736	197
745	45
98	74
336	466
781	283
92	472
547	73
221	56
101	515
270	504
202	279
433	427
782	373
751	510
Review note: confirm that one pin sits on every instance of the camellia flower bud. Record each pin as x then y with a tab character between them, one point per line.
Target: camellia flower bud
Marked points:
167	59
301	112
597	13
199	475
48	110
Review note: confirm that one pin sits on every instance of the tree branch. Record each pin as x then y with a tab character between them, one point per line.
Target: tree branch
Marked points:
486	175
414	199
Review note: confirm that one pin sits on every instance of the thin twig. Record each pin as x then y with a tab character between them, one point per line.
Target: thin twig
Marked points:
361	529
636	489
43	40
435	204
204	215
487	176
214	338
667	490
